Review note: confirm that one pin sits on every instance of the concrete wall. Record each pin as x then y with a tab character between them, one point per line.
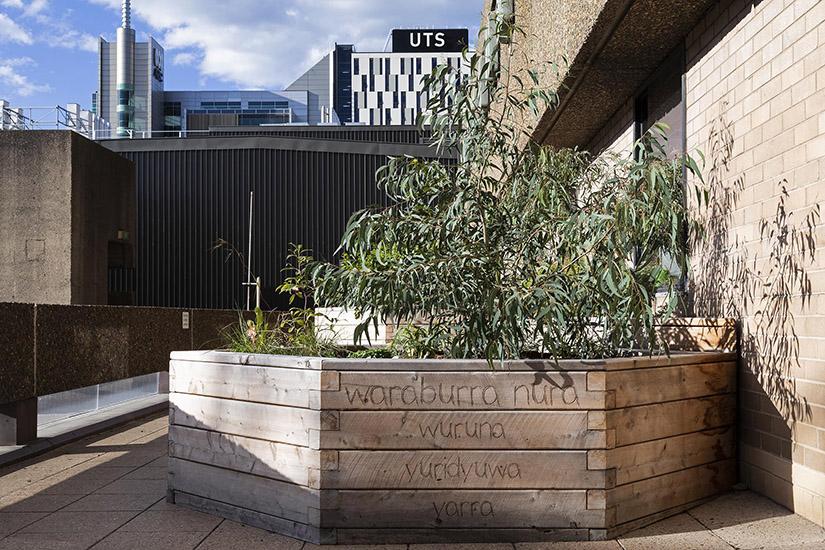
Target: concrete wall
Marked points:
35	217
54	348
62	199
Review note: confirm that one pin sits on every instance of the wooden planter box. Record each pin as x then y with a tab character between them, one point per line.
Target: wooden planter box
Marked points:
368	451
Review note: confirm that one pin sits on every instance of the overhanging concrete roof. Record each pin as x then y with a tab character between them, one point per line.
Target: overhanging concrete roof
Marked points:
628	42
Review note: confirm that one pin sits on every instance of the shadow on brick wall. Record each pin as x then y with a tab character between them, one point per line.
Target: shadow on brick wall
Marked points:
760	280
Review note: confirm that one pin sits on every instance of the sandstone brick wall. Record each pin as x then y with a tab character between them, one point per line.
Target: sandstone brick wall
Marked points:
756	108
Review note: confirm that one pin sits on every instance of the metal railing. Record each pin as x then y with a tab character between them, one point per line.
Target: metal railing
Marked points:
71	117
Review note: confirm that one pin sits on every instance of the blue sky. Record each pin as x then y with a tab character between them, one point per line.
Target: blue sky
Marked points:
48	48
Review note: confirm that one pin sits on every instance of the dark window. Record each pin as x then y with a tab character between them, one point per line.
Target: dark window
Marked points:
402	65
433	63
372	82
372	117
372	66
418	65
355	65
403	100
357	113
388	116
380	99
395	99
364	82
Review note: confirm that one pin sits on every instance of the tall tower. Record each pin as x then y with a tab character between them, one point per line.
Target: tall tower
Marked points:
125	71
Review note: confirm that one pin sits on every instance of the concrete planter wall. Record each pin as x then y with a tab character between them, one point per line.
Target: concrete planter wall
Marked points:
357	451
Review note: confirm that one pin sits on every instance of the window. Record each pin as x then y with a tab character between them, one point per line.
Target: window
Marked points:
364	82
433	63
403	68
372	82
388	116
355	65
395	100
380	99
171	116
418	65
372	66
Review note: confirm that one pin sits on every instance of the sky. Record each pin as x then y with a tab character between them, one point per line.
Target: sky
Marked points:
48	48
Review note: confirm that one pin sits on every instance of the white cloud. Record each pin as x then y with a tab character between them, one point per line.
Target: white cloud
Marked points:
66	37
184	58
36	6
19	83
268	43
12	4
10	31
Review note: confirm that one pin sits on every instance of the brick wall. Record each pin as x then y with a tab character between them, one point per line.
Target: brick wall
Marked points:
756	108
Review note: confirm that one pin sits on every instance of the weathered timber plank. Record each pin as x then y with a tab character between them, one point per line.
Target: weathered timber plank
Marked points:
459	509
449	536
662	456
270	422
462	470
529	365
647	422
480	365
649	496
463	391
262	359
463	430
291	463
675	358
257	519
698	338
643	386
268	496
275	385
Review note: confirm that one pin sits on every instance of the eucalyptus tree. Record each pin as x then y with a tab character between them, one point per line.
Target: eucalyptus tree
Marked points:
514	248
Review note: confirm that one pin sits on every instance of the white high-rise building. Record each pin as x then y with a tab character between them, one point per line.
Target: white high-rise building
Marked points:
387	87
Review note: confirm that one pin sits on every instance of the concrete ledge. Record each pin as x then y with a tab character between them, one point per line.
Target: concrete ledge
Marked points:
78	427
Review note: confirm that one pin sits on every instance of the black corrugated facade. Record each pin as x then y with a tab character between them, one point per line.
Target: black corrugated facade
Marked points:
194	192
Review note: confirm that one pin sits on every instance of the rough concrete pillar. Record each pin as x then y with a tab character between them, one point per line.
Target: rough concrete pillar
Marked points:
18	422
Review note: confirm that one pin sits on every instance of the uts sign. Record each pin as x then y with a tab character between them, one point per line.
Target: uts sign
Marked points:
429	40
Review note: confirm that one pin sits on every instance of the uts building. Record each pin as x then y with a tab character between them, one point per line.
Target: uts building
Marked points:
387	86
343	87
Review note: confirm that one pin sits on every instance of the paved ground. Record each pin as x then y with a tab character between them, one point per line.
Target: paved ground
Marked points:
108	491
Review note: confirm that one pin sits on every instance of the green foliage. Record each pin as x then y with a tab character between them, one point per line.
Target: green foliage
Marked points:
515	247
371	353
294	331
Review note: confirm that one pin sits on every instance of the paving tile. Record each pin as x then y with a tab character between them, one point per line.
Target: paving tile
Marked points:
121	540
148	472
172	521
310	546
101	523
115	502
680	532
583	545
36	503
12	521
49	541
467	546
746	520
234	536
135	487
